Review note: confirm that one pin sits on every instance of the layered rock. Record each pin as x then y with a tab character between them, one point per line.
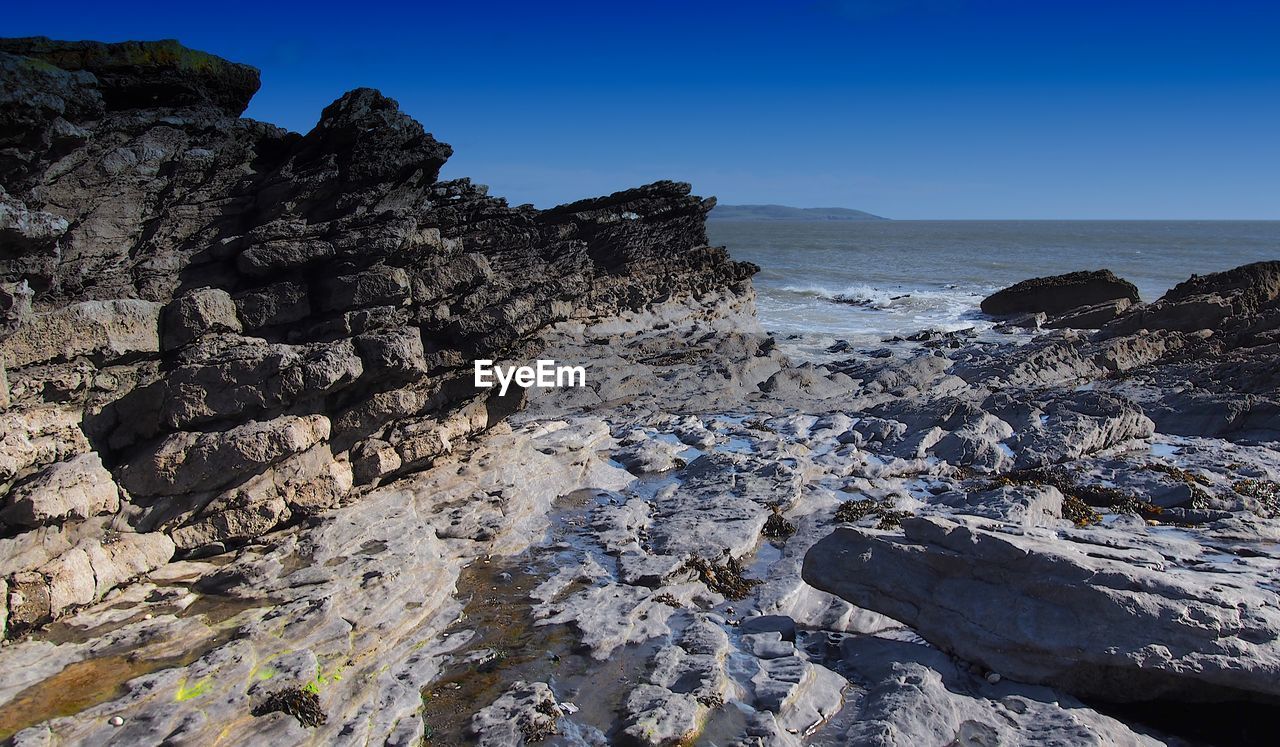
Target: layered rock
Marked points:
1096	614
257	350
234	326
1243	300
134	75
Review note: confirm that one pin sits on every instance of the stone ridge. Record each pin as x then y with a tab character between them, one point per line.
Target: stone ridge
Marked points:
1255	285
246	326
136	74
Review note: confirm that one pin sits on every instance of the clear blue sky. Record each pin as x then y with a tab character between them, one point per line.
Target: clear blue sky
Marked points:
906	108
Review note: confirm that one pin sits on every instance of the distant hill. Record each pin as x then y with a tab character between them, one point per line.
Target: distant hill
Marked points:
782	212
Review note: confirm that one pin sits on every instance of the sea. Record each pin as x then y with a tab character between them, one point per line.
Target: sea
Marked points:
865	281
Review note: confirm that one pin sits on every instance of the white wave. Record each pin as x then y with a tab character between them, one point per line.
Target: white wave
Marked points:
889	299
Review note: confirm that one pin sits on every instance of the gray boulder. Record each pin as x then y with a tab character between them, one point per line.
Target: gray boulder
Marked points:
524	714
15	306
1216	301
1084	611
917	695
80	575
1094	316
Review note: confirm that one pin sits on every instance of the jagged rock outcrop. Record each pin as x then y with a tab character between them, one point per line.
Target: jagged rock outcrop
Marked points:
1082	299
135	75
234	326
1241	301
257	351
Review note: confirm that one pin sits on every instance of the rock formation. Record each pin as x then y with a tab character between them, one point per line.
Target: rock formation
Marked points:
248	490
1095	613
1077	300
234	326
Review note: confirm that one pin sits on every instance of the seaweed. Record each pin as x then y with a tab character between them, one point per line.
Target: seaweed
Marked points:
536	729
668	600
726	579
1267	493
1079	496
493	661
1179	473
853	511
1079	512
298	702
777	526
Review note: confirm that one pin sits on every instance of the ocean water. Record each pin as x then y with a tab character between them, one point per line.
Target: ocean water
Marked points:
900	277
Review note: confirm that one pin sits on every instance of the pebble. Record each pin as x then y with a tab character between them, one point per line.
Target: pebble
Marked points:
116	721
993	677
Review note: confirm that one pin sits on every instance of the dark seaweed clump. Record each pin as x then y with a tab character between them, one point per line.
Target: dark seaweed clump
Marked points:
303	705
1267	494
777	526
1179	473
535	729
726	579
1100	496
1079	512
853	511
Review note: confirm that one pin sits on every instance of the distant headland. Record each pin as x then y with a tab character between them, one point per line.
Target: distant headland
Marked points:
783	212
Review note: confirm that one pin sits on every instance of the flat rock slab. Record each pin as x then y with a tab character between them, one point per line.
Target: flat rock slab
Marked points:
916	694
1080	610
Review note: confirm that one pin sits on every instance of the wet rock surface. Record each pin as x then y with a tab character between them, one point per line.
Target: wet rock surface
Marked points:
249	494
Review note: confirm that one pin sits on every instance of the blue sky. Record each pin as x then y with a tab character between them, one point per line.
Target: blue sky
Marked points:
906	108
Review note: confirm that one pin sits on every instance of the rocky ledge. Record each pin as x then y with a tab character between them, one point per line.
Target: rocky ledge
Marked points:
249	494
214	327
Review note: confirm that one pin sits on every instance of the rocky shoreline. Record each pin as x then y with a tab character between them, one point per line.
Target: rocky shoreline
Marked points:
249	495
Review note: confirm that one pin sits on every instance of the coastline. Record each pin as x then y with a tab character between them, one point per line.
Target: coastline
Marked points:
941	539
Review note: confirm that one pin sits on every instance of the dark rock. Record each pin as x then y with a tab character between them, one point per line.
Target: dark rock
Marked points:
273	305
1219	301
39	104
202	312
1250	288
376	287
1060	293
392	353
241	381
137	74
239	322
